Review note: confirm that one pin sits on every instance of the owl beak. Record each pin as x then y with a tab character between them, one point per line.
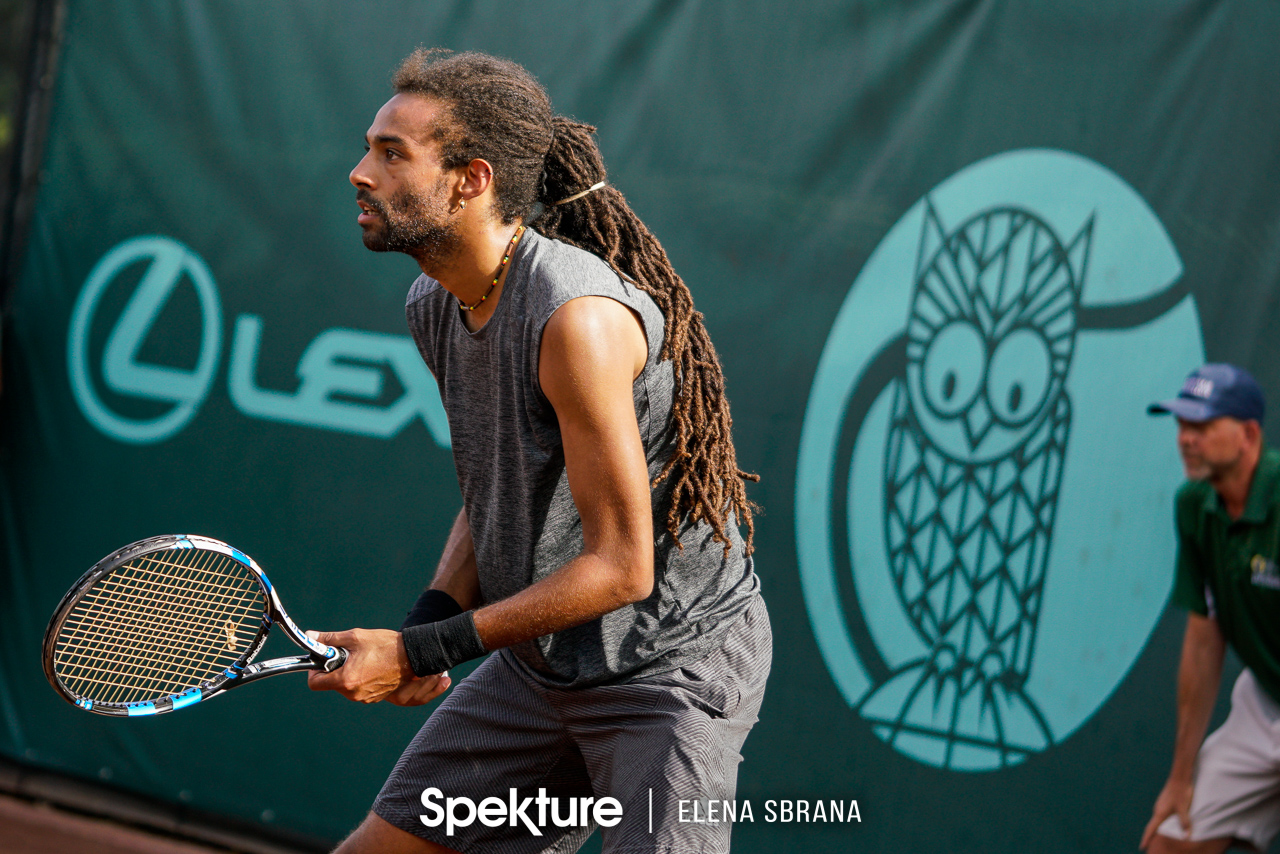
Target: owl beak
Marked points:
977	421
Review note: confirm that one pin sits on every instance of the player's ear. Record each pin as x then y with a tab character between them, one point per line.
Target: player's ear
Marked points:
477	179
1252	432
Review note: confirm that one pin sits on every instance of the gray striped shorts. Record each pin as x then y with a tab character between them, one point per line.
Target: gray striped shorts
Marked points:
655	744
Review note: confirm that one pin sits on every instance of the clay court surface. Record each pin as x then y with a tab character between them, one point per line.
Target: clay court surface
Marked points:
27	827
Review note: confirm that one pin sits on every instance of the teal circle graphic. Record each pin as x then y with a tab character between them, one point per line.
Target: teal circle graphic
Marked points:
978	482
169	264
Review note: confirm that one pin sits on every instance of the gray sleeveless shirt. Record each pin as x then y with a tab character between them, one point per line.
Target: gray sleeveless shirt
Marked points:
510	462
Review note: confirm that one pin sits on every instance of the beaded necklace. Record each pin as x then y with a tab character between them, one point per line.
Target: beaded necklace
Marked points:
498	275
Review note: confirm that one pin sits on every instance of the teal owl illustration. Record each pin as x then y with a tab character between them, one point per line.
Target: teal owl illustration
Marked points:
973	542
972	467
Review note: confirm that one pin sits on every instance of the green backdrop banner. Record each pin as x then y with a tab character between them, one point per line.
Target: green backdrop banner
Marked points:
948	252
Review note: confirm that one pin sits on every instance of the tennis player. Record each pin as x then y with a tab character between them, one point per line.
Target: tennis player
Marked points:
598	551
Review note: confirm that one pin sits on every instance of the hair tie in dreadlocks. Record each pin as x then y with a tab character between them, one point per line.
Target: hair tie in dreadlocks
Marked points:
576	196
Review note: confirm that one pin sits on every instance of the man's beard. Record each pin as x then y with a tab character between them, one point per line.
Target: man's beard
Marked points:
1198	468
417	224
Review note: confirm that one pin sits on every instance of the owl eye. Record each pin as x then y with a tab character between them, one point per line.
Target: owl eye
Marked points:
953	367
1019	377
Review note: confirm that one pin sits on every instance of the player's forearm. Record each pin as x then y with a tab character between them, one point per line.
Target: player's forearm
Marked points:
591	585
588	587
1199	675
456	573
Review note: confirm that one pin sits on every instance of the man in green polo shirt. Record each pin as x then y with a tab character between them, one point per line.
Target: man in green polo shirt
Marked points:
1228	517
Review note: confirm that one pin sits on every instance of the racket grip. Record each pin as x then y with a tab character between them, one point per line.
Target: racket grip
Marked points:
337	661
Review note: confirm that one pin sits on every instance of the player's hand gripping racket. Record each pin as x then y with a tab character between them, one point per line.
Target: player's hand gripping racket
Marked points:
167	622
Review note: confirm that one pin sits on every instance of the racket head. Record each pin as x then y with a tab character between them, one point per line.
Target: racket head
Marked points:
157	625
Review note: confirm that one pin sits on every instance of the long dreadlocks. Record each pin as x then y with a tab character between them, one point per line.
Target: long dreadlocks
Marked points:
502	115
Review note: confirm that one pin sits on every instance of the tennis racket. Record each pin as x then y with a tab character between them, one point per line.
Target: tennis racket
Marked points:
167	622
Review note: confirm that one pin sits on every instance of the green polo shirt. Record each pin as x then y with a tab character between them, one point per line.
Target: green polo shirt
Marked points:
1227	568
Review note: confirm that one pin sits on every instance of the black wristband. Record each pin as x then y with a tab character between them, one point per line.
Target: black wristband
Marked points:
435	647
432	606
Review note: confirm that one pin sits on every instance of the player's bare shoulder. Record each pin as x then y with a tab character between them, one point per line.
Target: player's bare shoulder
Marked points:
589	339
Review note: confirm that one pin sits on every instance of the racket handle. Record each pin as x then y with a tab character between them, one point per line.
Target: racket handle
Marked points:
337	661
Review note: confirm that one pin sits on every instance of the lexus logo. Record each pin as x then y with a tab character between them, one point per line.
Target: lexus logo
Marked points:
341	374
169	263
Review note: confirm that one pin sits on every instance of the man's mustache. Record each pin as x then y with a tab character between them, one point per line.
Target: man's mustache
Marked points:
363	197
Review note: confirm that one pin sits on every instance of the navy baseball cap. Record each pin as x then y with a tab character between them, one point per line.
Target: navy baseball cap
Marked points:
1214	391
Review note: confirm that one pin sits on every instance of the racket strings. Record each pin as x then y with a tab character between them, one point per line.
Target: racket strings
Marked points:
159	649
127	632
180	642
152	595
148	652
158	625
